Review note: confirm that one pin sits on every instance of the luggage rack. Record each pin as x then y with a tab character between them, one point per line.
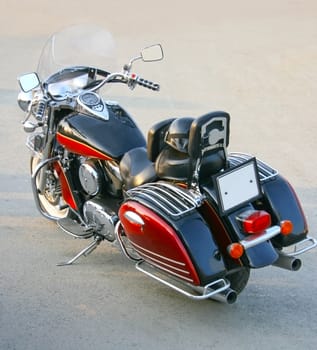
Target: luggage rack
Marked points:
265	171
170	199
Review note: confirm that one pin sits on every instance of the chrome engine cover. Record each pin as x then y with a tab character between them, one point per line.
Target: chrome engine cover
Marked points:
98	216
90	177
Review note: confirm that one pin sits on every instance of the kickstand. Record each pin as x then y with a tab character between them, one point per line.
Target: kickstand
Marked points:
86	251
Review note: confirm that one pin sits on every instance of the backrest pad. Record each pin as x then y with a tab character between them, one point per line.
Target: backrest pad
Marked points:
207	133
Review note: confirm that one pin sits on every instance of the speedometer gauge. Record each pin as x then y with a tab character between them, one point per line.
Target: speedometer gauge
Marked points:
92	103
90	98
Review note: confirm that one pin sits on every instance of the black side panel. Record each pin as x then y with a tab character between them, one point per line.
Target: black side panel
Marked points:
285	205
201	246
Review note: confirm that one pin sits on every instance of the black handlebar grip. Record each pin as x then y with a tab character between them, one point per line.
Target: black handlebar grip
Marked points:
148	84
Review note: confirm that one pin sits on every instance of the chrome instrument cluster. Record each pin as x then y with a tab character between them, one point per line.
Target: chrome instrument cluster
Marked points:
92	103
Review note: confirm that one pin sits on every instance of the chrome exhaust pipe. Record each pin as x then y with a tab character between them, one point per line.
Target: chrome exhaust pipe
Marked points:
288	262
229	296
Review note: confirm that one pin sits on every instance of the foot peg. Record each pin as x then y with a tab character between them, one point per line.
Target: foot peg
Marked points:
74	228
86	251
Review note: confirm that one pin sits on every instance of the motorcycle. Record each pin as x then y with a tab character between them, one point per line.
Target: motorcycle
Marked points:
189	214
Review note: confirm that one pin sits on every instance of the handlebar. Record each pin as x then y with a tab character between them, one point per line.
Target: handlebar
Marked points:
131	79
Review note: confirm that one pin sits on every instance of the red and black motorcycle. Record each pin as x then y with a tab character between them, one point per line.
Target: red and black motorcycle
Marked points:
188	213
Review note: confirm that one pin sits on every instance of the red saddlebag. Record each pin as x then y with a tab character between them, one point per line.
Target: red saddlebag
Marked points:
165	228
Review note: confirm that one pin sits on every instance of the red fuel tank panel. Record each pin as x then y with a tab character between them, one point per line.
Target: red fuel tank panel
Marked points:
156	241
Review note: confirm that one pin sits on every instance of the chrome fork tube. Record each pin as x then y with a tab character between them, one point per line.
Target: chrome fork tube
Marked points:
49	133
35	190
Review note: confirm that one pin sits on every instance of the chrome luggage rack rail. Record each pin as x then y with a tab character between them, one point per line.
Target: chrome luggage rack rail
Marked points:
265	171
168	198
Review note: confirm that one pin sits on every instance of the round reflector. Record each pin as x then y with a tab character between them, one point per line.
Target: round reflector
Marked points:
235	250
286	227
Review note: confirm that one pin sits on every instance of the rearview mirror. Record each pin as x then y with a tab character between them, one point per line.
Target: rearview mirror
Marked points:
29	81
152	53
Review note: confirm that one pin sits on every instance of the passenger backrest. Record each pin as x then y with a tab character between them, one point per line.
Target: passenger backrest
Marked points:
155	138
208	140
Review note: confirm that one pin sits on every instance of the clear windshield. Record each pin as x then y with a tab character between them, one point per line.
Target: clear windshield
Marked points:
79	45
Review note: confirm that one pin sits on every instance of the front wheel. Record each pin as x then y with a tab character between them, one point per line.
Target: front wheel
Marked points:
239	279
50	200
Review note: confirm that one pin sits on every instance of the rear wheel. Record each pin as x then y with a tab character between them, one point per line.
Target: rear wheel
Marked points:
50	200
239	279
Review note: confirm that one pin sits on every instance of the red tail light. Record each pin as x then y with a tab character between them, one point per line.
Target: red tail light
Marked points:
254	221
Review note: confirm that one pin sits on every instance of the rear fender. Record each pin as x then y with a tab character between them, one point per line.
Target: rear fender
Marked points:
285	205
261	255
227	230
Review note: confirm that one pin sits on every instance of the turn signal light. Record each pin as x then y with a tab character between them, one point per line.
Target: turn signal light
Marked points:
286	227
254	221
235	250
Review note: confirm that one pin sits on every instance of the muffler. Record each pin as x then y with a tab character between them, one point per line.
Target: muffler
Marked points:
229	296
288	262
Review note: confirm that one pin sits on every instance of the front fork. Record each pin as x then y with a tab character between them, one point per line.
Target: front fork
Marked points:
40	170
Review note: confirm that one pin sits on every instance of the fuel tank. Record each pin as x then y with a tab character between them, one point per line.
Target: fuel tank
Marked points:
92	136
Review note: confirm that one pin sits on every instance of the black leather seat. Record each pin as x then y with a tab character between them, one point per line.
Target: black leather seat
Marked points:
208	139
172	164
136	169
137	165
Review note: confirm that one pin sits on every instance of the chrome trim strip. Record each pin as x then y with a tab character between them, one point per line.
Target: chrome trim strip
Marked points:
136	246
169	271
147	257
